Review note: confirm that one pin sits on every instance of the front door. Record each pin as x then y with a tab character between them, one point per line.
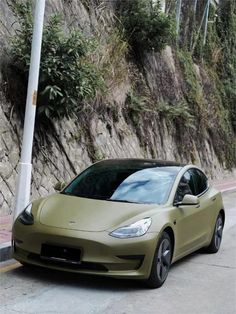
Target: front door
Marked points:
191	222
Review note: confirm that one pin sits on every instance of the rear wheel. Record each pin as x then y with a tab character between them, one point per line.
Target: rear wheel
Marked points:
217	236
161	262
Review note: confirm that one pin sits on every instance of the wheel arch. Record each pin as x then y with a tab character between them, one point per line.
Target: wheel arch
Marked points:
222	212
170	232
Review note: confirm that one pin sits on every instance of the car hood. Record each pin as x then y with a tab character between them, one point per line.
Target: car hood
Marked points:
77	213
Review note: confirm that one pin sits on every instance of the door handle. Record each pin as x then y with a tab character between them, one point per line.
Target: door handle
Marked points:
213	199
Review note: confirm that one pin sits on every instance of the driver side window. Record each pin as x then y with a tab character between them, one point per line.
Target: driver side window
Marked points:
184	187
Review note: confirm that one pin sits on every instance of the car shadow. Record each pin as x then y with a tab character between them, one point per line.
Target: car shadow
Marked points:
51	276
189	258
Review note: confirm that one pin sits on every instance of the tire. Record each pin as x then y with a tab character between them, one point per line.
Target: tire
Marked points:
217	236
25	264
28	265
161	262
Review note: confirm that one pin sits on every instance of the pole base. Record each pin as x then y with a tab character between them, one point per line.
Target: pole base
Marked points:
23	188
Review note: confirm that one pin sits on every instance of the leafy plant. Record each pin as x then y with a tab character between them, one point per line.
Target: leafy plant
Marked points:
177	112
68	75
137	103
141	104
147	27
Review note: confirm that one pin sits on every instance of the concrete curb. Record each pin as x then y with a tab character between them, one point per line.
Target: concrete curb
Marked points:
229	190
6	251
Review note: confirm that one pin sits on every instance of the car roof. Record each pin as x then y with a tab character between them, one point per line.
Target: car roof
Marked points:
142	162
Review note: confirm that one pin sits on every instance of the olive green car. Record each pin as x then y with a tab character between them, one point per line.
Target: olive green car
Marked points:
126	218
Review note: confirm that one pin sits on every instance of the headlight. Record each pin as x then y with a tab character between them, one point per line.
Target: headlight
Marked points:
26	216
136	229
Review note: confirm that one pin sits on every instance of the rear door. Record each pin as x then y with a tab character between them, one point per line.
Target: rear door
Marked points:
207	198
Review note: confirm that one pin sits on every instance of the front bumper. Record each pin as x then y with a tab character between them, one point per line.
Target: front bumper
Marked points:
101	254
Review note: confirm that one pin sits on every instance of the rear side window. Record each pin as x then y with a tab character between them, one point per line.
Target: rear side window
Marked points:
200	181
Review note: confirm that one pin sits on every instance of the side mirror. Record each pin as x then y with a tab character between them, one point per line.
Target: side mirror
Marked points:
188	200
59	186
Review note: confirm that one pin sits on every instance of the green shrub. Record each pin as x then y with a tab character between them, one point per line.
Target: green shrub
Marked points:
147	27
68	75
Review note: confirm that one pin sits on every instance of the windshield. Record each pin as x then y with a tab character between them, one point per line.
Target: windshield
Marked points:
124	183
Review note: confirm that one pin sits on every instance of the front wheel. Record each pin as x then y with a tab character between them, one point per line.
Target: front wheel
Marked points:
161	262
217	236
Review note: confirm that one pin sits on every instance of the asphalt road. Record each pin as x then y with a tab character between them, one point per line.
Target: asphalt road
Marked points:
200	283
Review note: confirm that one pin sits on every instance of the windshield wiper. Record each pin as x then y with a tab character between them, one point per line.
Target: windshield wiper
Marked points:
122	201
66	193
93	197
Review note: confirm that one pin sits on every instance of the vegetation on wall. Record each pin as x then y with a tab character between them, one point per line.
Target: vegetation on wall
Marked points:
78	72
211	115
208	80
110	57
175	112
226	30
68	76
147	28
218	55
209	77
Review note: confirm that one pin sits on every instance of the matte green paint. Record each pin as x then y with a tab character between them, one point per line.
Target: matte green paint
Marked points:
86	223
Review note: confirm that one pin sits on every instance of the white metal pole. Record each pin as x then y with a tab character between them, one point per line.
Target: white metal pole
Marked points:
163	6
25	166
206	22
178	13
195	8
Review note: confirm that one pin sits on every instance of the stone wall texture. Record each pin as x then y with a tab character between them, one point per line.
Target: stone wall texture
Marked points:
67	154
67	150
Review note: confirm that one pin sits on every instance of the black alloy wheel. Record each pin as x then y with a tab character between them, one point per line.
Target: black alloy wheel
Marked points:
161	262
217	236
